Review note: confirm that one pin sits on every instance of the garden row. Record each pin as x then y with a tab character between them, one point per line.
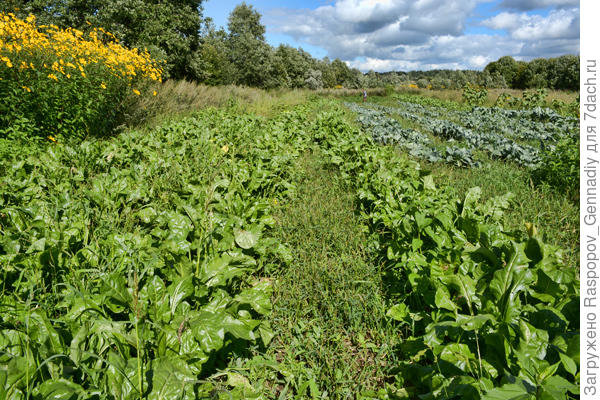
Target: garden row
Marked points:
135	267
132	267
495	131
483	313
387	130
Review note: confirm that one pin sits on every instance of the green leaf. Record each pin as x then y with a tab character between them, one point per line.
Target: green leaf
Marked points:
459	356
147	215
556	387
115	290
473	323
245	239
239	381
38	245
179	226
241	327
78	344
208	330
220	270
398	312
266	332
179	290
509	281
422	220
510	391
258	297
471	198
60	389
428	183
442	299
172	379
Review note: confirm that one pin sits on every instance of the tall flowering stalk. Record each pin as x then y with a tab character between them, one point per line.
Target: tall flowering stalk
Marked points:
64	82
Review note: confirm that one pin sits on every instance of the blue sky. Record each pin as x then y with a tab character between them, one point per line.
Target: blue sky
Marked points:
417	34
219	11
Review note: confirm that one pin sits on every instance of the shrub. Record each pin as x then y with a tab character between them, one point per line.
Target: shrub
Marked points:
534	98
560	167
474	96
63	83
570	109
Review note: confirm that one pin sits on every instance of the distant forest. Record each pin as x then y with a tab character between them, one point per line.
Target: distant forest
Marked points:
194	49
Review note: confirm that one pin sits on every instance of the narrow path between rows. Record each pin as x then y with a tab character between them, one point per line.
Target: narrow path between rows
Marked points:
328	307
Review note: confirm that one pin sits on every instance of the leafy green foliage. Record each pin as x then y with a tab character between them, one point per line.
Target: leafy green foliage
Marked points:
474	96
386	130
498	132
168	29
135	267
132	267
556	73
559	167
479	307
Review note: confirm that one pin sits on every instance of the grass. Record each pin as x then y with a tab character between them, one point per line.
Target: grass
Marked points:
176	99
329	311
455	95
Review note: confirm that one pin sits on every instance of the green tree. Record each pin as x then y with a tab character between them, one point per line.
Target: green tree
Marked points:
505	66
252	58
314	79
296	63
327	73
563	72
211	62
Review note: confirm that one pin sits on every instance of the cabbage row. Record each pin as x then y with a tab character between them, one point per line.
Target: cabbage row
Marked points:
387	130
492	130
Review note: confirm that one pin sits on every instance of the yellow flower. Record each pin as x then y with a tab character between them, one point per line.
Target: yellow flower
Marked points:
27	89
102	85
52	76
137	92
154	93
225	149
52	138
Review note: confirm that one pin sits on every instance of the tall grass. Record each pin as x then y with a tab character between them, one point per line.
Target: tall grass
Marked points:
176	98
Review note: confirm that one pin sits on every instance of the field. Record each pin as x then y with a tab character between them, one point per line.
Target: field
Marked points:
293	246
163	239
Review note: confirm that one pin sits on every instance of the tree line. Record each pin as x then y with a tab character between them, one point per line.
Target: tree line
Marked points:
193	48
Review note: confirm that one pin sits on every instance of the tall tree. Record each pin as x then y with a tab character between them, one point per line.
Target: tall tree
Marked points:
252	58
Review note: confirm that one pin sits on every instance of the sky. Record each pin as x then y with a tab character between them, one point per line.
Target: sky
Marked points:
405	35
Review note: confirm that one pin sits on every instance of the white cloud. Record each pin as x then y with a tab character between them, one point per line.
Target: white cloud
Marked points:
388	35
558	24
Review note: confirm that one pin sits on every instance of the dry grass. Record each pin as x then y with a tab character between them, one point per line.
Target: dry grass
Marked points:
343	92
176	98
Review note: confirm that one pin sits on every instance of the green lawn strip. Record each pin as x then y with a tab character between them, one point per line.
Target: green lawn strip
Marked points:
328	312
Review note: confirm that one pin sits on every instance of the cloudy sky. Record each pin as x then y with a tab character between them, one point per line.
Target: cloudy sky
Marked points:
386	35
